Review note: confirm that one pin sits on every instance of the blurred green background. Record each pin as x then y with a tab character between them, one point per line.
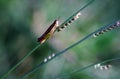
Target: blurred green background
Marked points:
23	21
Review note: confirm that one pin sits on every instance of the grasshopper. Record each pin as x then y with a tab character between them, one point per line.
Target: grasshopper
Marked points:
49	32
56	27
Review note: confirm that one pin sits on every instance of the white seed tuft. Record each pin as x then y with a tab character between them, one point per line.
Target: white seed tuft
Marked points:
53	55
49	57
118	23
94	35
45	60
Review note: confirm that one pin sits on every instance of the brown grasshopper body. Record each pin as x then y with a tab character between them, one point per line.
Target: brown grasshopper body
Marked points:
49	32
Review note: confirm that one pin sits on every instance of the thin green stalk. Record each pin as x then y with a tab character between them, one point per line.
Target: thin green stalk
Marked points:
83	7
63	51
15	66
84	68
90	2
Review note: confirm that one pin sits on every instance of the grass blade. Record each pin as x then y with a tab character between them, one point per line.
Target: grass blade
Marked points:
63	51
72	17
15	66
84	68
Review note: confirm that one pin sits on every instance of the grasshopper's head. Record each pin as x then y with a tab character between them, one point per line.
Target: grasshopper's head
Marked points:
56	22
